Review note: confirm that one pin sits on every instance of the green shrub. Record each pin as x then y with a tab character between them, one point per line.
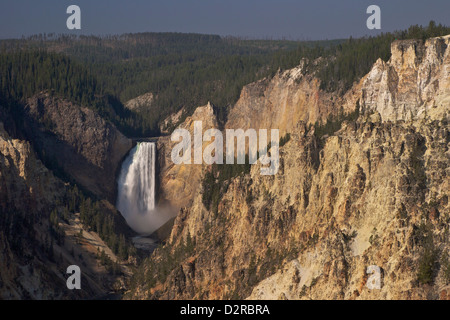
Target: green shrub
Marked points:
333	124
445	265
427	264
428	259
216	181
285	139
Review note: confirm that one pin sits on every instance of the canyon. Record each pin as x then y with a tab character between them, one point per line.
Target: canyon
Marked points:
373	192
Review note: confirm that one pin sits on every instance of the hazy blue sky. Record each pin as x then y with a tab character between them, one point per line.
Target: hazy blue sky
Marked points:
293	19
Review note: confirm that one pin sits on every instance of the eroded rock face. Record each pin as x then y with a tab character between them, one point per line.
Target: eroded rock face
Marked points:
33	260
27	192
366	202
25	184
180	183
283	101
86	147
414	83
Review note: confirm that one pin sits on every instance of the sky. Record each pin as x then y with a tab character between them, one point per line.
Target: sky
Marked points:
288	19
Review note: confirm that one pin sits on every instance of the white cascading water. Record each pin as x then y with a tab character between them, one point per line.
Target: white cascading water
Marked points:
136	189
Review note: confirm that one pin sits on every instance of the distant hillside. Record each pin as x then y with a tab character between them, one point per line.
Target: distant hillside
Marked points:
181	70
188	70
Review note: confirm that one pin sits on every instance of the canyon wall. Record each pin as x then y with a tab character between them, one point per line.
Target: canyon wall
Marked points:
32	263
414	83
287	98
77	141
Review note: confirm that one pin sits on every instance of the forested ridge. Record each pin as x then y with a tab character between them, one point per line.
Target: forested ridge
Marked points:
26	72
355	57
181	70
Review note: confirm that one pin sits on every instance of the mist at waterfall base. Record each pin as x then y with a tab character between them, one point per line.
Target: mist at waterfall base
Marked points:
136	190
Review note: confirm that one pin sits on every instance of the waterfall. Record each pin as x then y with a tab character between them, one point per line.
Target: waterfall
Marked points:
136	189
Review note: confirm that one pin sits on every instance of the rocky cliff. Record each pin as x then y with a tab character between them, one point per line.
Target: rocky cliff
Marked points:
414	83
75	140
373	193
180	183
287	98
34	253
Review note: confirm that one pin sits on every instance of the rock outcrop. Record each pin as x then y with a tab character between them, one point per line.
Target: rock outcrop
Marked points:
180	183
414	83
172	121
77	141
26	185
141	102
